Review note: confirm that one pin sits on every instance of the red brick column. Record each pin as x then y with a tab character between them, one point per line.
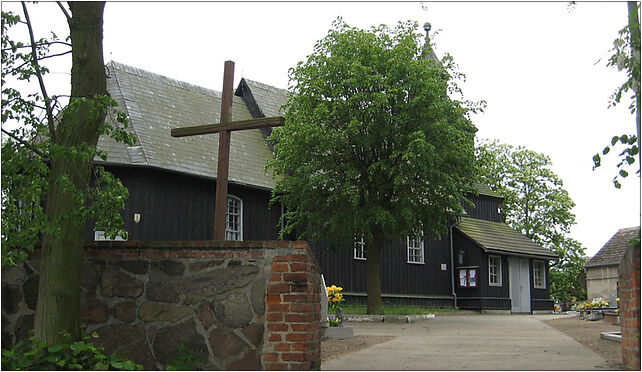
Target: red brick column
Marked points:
292	317
629	283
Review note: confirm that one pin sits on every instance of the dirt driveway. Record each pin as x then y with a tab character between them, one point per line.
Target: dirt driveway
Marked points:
469	342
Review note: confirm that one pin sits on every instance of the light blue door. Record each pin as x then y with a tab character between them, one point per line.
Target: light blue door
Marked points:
519	285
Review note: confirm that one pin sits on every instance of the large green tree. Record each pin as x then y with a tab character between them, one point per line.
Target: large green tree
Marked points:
537	205
372	144
47	193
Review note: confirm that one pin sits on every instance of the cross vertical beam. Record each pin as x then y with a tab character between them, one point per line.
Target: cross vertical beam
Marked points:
224	128
223	153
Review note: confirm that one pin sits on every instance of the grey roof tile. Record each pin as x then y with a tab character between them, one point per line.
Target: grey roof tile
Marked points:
270	99
155	104
486	190
499	237
613	251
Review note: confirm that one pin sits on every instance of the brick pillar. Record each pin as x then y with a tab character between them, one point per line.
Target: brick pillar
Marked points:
629	283
293	312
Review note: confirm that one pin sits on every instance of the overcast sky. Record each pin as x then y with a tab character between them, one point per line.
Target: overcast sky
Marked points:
533	63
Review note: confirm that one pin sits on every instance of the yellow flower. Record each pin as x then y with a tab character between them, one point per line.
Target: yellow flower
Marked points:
339	289
334	287
337	295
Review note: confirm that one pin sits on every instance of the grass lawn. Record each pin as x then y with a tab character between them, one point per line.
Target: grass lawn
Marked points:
394	310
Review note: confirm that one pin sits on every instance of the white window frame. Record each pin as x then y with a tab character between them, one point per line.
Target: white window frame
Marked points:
497	272
415	247
230	232
360	252
541	275
99	236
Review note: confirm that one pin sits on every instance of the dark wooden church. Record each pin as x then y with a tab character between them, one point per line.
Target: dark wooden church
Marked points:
481	264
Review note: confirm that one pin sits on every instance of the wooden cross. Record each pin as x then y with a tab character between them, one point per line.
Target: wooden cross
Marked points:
224	128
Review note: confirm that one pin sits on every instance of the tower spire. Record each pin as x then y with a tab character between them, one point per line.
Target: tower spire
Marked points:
427	51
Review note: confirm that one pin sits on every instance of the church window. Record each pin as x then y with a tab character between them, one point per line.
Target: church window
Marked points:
495	271
360	249
415	248
234	218
539	274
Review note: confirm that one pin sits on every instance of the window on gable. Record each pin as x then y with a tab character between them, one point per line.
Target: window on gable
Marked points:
360	249
415	248
234	218
495	271
539	274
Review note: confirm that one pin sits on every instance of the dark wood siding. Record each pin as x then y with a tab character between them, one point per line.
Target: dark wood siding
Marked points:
485	208
541	297
397	275
175	206
484	296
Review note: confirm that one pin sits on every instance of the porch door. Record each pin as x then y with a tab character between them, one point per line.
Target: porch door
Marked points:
520	284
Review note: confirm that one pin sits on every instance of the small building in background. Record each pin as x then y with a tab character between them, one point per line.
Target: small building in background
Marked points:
601	269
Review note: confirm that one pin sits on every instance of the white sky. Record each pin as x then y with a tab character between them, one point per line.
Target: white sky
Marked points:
533	63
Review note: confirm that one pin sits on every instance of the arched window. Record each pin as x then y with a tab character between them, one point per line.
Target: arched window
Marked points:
234	218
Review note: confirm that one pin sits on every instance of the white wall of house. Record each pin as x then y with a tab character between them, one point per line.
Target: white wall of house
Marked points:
602	282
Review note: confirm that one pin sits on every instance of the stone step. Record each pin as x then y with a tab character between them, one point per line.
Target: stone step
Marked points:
337	332
613	336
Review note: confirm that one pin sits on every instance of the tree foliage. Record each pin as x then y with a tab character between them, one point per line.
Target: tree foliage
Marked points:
537	205
28	148
626	57
372	144
48	192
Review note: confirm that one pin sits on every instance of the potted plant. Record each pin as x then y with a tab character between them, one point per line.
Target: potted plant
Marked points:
335	298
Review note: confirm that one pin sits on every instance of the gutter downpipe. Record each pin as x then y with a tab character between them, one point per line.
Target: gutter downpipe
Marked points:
452	264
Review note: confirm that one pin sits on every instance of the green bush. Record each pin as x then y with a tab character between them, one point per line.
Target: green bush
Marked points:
185	359
71	355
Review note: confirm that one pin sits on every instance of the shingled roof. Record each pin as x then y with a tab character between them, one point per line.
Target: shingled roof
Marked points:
498	237
613	251
268	99
155	104
486	190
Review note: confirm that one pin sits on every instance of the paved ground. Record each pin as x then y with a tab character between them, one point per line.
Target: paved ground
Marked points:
469	342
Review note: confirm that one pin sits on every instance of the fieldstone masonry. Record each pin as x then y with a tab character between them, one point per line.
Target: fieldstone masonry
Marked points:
239	305
629	286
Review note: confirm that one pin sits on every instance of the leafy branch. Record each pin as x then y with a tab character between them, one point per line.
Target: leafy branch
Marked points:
41	82
28	150
626	57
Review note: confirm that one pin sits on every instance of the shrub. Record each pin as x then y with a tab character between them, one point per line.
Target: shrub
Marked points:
71	355
184	360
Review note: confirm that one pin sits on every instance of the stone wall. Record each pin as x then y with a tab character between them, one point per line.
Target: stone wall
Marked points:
239	305
629	271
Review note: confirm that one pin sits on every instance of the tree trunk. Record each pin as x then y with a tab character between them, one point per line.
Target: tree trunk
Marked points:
373	271
58	307
634	29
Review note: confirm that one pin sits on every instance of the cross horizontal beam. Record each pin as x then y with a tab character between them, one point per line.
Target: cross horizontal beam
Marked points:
275	121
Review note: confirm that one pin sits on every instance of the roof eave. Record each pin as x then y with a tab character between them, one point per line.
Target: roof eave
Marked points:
550	256
152	167
587	266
